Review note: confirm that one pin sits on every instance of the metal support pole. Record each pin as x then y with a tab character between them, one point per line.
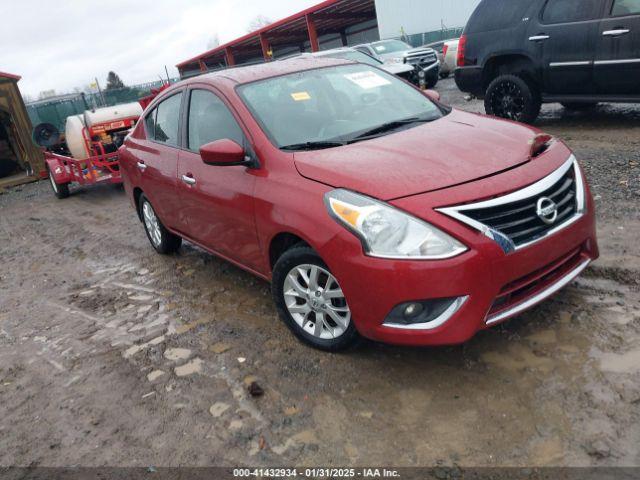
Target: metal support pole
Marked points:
313	34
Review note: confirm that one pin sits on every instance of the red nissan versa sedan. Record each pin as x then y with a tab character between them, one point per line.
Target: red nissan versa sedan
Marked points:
373	209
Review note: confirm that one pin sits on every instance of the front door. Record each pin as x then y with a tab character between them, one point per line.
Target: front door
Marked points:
617	65
563	38
216	203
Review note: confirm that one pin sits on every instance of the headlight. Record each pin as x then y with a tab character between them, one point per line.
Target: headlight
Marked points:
387	232
394	60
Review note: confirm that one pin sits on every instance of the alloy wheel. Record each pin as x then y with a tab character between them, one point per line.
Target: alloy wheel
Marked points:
508	101
315	301
152	224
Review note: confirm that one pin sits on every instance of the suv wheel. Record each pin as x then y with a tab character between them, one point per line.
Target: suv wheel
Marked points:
161	239
513	98
579	106
310	301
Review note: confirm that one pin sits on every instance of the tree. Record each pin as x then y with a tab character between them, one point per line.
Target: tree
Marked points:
113	81
258	22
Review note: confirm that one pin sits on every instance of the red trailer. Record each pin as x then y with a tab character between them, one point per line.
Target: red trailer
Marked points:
101	166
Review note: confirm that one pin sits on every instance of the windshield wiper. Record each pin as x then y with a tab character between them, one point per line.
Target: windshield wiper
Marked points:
388	127
312	145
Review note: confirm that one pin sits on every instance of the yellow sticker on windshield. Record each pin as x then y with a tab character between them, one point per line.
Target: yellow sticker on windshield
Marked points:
301	96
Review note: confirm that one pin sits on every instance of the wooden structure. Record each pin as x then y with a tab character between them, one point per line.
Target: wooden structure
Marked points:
21	161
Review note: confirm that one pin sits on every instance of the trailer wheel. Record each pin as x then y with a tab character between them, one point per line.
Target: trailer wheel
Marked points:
60	190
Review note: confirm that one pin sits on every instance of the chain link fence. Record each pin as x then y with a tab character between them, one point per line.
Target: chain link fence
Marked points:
55	110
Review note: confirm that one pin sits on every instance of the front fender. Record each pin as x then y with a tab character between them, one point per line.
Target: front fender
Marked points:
60	172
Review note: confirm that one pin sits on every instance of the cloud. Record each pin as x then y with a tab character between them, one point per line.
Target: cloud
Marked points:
62	45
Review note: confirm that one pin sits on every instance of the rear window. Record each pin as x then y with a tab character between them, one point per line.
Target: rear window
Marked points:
497	15
625	7
567	11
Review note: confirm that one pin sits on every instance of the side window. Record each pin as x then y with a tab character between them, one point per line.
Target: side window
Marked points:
167	120
150	124
566	11
625	7
210	120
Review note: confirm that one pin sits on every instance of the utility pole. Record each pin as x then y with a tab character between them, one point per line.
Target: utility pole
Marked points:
104	104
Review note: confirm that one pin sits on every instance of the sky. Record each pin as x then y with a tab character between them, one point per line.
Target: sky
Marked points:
64	44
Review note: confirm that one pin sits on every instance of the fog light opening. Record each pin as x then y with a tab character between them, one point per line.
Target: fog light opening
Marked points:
413	310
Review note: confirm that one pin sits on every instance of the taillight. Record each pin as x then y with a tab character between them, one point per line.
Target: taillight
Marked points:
445	49
462	44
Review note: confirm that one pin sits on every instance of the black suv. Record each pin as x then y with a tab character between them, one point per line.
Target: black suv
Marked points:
518	54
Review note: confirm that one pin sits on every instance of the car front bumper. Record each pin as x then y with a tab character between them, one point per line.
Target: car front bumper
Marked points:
489	285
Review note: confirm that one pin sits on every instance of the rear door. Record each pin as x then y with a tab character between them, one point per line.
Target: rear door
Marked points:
617	65
157	158
563	38
216	203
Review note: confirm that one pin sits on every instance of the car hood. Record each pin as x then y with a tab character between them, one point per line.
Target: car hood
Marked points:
406	53
397	68
458	148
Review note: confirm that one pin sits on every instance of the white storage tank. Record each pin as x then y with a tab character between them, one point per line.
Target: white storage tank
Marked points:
112	114
76	123
73	133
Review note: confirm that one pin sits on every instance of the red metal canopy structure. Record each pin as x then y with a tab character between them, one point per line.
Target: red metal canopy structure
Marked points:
335	22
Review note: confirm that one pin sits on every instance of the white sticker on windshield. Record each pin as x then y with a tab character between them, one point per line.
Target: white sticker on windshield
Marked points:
367	80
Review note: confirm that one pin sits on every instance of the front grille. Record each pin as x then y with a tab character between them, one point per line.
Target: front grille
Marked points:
519	220
421	58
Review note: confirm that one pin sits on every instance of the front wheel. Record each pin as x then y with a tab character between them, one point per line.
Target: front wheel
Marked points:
60	190
161	239
431	81
310	301
513	98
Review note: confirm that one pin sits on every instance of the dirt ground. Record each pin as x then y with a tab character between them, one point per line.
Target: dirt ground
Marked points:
113	355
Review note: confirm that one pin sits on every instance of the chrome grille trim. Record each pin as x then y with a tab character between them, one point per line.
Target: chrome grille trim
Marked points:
531	191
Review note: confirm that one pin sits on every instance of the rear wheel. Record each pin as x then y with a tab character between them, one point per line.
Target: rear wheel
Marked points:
161	239
579	106
513	98
60	190
310	301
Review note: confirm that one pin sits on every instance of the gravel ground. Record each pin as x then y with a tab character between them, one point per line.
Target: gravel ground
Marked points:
112	355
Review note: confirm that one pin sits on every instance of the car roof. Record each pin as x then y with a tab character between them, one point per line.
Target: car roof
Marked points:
263	71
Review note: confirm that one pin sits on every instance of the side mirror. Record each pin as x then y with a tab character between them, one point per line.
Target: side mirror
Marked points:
433	95
223	153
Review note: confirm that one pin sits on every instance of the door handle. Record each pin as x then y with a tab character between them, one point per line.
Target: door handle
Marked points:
142	166
188	180
539	38
616	33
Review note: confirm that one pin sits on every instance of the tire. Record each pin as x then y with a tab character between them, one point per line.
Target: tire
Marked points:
444	75
579	106
60	190
431	82
293	296
513	98
161	239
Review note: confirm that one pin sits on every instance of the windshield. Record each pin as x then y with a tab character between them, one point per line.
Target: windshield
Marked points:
327	107
356	56
390	46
